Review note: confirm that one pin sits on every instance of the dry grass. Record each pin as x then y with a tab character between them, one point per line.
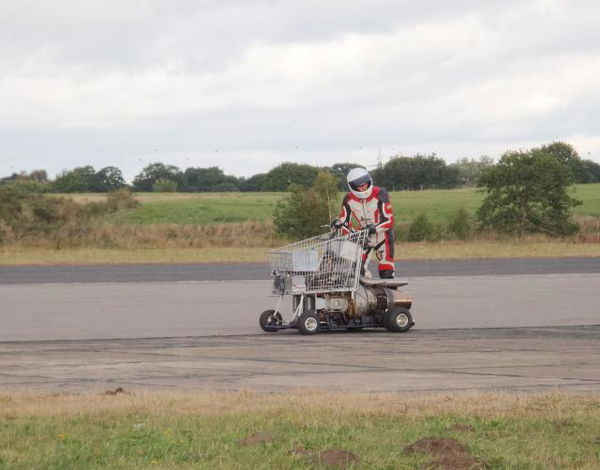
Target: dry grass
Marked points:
589	229
157	236
161	197
523	248
83	256
15	255
471	404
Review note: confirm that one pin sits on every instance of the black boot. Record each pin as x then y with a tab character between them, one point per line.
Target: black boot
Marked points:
386	274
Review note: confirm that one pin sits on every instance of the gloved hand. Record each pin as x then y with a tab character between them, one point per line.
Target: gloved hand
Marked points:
336	224
371	228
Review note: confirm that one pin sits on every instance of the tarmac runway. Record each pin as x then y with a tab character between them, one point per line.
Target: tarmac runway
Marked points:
519	331
421	361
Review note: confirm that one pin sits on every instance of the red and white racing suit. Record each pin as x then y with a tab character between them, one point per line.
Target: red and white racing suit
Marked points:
357	214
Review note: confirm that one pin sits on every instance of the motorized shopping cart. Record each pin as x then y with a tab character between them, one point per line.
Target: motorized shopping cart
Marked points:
325	277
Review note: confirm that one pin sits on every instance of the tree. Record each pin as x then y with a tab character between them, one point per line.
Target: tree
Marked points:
39	176
281	177
341	170
568	156
110	178
305	210
36	176
527	192
418	172
207	179
78	180
468	170
594	169
254	183
36	181
154	172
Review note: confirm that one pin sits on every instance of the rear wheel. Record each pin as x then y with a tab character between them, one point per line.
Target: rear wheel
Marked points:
270	320
308	323
398	319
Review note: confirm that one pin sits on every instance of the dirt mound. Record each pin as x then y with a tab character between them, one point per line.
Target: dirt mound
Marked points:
255	439
339	457
436	446
448	453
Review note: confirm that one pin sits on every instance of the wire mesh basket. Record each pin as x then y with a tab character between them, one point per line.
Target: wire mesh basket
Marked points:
318	264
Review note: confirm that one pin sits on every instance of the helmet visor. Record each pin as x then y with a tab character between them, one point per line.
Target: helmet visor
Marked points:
355	184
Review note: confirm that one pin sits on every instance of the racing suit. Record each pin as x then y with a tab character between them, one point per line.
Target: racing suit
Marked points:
376	210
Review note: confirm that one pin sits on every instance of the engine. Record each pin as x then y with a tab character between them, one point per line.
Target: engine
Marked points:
367	300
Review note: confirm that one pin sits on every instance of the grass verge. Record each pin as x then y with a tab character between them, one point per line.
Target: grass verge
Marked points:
290	430
404	251
215	208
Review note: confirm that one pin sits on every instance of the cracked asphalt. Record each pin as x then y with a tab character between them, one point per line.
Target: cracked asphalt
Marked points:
527	359
515	332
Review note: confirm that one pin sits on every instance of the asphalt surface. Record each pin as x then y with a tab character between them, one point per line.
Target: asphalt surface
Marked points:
421	361
254	271
480	325
100	310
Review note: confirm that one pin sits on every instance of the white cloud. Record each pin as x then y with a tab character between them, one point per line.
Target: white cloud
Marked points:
102	82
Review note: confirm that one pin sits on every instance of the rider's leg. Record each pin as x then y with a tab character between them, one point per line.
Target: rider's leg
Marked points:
386	273
385	255
364	264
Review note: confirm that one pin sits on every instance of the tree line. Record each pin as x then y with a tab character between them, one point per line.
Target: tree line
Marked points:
527	191
415	172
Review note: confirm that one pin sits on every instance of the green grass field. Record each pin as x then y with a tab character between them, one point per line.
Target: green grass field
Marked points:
217	208
200	208
299	430
233	227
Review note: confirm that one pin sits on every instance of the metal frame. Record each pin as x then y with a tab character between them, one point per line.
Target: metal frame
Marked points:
319	265
315	266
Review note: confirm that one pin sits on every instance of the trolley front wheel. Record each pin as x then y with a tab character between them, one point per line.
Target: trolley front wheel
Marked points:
270	320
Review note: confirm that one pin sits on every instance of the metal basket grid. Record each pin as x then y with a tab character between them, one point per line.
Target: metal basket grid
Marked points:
320	264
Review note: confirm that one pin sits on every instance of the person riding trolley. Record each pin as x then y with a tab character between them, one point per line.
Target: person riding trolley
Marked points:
368	207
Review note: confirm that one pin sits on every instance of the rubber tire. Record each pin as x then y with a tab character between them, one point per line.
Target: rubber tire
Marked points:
390	320
310	317
266	320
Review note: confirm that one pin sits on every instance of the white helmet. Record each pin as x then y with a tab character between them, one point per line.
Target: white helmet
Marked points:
357	177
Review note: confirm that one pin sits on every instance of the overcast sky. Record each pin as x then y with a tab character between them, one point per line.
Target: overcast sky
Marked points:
246	85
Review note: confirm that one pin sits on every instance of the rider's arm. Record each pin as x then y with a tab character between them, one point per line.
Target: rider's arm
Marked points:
344	217
386	214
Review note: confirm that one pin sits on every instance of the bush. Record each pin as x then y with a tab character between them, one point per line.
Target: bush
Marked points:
461	225
33	217
24	213
121	199
422	229
306	210
164	186
225	187
32	186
